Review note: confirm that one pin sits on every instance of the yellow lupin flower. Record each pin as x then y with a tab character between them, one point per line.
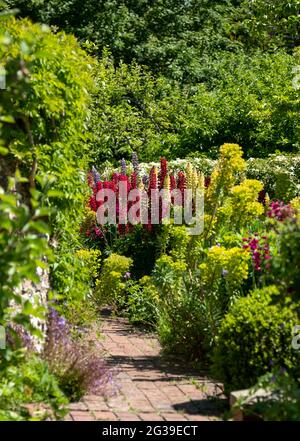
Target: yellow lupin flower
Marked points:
295	204
144	198
225	173
200	181
189	176
167	183
195	179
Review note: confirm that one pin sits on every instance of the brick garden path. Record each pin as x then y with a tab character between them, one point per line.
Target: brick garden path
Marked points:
148	387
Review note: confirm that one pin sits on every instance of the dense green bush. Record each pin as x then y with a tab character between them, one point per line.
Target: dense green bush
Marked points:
44	110
133	111
27	379
252	103
173	37
249	100
143	247
184	78
141	303
281	401
182	314
254	336
49	79
112	281
178	39
23	247
286	263
268	24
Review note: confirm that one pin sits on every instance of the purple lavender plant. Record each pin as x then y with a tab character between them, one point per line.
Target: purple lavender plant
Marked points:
96	175
123	167
135	163
17	336
78	368
145	180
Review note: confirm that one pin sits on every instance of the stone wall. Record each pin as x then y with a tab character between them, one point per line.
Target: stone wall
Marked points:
37	293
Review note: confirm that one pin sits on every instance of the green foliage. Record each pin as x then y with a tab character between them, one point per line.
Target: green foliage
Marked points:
23	247
112	281
133	111
141	304
143	247
184	321
280	175
184	78
254	335
268	24
282	402
249	100
286	263
75	278
252	102
28	380
50	107
175	38
49	79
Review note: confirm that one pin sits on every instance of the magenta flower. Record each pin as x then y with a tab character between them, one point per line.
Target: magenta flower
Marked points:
260	251
280	211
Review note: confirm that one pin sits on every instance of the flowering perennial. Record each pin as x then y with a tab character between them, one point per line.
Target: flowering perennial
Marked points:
260	251
146	200
280	211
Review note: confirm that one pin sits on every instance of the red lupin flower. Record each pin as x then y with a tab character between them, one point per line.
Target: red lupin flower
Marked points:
181	184
90	179
133	180
163	172
172	182
93	203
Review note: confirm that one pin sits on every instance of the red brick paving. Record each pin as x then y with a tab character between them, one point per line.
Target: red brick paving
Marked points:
148	387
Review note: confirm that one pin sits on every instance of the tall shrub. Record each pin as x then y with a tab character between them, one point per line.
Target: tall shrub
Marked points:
45	109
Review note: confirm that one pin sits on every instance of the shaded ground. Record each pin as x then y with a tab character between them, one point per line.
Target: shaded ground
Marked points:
148	387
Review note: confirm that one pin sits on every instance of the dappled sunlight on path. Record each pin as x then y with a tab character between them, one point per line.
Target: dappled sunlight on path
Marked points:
147	385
